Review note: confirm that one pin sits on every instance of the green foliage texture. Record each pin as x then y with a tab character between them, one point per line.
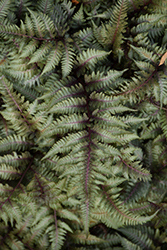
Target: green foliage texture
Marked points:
83	125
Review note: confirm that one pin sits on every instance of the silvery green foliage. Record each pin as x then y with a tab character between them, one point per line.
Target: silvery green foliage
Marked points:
83	123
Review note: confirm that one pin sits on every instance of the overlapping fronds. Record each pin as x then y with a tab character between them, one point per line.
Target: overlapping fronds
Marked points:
83	124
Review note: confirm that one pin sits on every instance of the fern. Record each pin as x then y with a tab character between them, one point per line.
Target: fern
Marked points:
83	124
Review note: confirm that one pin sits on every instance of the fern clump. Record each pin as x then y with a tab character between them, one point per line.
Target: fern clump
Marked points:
83	124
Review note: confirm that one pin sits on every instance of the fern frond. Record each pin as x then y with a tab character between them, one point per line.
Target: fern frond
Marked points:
14	142
30	94
107	120
151	132
99	81
78	19
54	57
67	6
111	33
69	141
67	59
69	106
38	24
138	236
136	4
84	38
58	92
163	122
17	108
14	216
70	123
135	170
4	7
40	53
90	57
120	215
145	54
134	192
153	24
45	6
80	238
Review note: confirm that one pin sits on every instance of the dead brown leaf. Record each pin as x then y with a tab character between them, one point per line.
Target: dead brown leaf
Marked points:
163	58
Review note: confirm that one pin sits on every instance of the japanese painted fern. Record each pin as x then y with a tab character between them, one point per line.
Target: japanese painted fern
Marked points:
83	124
